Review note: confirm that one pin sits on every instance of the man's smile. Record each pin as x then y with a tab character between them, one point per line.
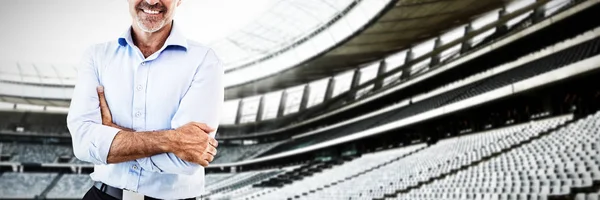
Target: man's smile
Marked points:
151	12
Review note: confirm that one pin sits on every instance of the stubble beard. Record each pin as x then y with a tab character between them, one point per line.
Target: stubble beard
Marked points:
153	25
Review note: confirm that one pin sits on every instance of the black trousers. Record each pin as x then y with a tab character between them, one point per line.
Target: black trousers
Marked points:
95	194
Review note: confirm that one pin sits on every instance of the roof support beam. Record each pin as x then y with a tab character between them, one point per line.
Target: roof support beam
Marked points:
282	102
330	88
355	82
539	13
407	66
380	71
502	27
261	108
239	113
305	97
435	59
466	45
355	78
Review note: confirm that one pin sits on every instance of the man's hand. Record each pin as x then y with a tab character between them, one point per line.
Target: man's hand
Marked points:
191	142
105	111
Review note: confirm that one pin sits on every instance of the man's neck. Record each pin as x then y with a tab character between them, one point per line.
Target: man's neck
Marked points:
149	43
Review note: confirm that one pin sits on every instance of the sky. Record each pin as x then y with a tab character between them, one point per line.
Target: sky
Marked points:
57	32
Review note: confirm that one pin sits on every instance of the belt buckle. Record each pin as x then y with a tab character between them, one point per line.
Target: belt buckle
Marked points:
130	195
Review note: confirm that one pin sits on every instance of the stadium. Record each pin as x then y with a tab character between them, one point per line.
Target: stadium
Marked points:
366	99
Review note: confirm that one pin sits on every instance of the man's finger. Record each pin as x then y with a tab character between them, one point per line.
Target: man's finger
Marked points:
104	110
211	150
213	142
203	162
204	127
208	157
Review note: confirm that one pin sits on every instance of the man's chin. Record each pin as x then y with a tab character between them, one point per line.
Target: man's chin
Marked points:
152	27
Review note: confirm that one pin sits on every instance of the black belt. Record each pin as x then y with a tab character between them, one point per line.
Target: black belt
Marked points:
116	192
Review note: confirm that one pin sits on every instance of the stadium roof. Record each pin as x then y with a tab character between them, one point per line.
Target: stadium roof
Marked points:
400	24
290	43
280	26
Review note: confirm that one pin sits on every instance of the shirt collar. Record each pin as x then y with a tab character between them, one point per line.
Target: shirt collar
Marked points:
175	38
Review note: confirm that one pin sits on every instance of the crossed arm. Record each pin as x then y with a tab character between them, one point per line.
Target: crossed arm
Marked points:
190	142
99	141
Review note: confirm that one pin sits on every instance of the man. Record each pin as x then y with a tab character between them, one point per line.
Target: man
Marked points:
166	88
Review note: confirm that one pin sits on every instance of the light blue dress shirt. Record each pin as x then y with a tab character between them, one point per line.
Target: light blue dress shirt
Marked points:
180	83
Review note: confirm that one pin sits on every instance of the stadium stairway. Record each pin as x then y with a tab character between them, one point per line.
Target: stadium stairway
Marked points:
336	174
342	179
364	171
589	196
299	173
263	150
24	185
50	186
235	182
278	179
319	175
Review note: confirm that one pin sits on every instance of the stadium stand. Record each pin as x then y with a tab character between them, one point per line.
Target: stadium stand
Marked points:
434	161
588	196
353	168
431	162
228	154
24	185
34	153
34	123
550	165
70	186
9	120
240	180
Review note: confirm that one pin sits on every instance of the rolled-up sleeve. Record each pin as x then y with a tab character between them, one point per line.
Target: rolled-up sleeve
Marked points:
91	139
202	103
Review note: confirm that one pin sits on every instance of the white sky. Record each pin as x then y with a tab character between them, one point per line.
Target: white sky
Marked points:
41	31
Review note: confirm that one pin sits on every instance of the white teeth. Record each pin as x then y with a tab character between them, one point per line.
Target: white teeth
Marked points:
151	11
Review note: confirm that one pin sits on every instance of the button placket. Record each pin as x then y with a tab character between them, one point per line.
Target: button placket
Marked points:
139	97
133	182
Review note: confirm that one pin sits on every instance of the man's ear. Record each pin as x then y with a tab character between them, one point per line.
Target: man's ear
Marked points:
179	2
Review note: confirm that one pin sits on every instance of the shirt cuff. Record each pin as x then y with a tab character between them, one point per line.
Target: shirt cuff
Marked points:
147	164
103	141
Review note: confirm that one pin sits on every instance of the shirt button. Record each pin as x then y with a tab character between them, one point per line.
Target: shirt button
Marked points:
138	114
143	63
139	88
135	167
